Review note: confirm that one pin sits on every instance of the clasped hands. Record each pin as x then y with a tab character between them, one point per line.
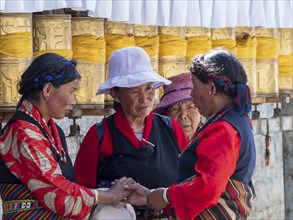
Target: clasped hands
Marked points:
128	191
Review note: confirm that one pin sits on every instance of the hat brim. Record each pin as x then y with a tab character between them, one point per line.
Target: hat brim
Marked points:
173	98
139	79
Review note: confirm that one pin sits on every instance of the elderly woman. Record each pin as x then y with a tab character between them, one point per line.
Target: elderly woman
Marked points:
177	103
215	170
132	142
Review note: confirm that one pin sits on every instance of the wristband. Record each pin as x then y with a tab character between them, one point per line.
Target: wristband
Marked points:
96	197
165	196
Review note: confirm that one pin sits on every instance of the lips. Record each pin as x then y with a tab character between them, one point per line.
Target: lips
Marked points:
185	126
144	107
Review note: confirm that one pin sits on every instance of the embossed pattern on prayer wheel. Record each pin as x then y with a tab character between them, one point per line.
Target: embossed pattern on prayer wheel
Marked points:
89	49
246	52
117	35
52	33
224	38
268	49
198	42
286	60
197	31
15	54
91	79
172	51
249	66
10	72
146	37
87	25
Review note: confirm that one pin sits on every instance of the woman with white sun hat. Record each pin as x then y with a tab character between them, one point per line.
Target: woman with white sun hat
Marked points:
133	142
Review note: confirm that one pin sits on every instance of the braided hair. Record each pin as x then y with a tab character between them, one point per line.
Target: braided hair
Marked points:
228	75
47	68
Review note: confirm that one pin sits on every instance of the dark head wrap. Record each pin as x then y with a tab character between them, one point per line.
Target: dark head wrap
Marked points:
47	68
228	75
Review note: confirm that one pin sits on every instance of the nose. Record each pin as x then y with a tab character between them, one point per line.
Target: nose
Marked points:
183	113
142	97
73	100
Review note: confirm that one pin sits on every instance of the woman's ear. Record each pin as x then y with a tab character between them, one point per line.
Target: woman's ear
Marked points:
213	88
46	91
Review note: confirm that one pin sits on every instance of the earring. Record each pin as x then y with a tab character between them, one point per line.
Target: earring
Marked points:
201	122
46	97
210	92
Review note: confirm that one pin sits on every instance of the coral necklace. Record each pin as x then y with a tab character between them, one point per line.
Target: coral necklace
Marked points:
53	135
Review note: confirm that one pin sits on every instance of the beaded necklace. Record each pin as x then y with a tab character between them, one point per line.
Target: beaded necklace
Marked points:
51	136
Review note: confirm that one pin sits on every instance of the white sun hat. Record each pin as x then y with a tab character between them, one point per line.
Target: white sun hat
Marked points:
130	67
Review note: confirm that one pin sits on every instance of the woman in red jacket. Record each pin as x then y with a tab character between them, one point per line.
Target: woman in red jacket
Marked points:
132	142
37	178
215	172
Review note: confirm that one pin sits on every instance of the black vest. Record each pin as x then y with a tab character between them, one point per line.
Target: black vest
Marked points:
66	168
246	161
150	166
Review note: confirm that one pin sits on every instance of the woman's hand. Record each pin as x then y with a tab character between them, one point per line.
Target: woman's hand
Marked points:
138	195
155	200
117	192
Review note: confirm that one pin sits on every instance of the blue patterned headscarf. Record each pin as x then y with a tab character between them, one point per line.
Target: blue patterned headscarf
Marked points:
47	68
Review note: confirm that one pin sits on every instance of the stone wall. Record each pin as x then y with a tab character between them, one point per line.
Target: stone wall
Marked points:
273	182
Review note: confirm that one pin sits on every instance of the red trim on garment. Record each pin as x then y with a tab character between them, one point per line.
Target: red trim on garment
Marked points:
90	152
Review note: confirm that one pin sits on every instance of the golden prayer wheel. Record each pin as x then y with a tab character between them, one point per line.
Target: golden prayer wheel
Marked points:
52	33
224	38
172	51
286	60
246	52
89	49
117	35
146	37
198	41
91	79
16	53
268	49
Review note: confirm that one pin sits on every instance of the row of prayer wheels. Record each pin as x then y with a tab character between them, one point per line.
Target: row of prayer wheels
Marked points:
265	53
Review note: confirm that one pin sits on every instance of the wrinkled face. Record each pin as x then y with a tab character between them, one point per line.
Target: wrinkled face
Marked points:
61	100
201	98
138	101
187	115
